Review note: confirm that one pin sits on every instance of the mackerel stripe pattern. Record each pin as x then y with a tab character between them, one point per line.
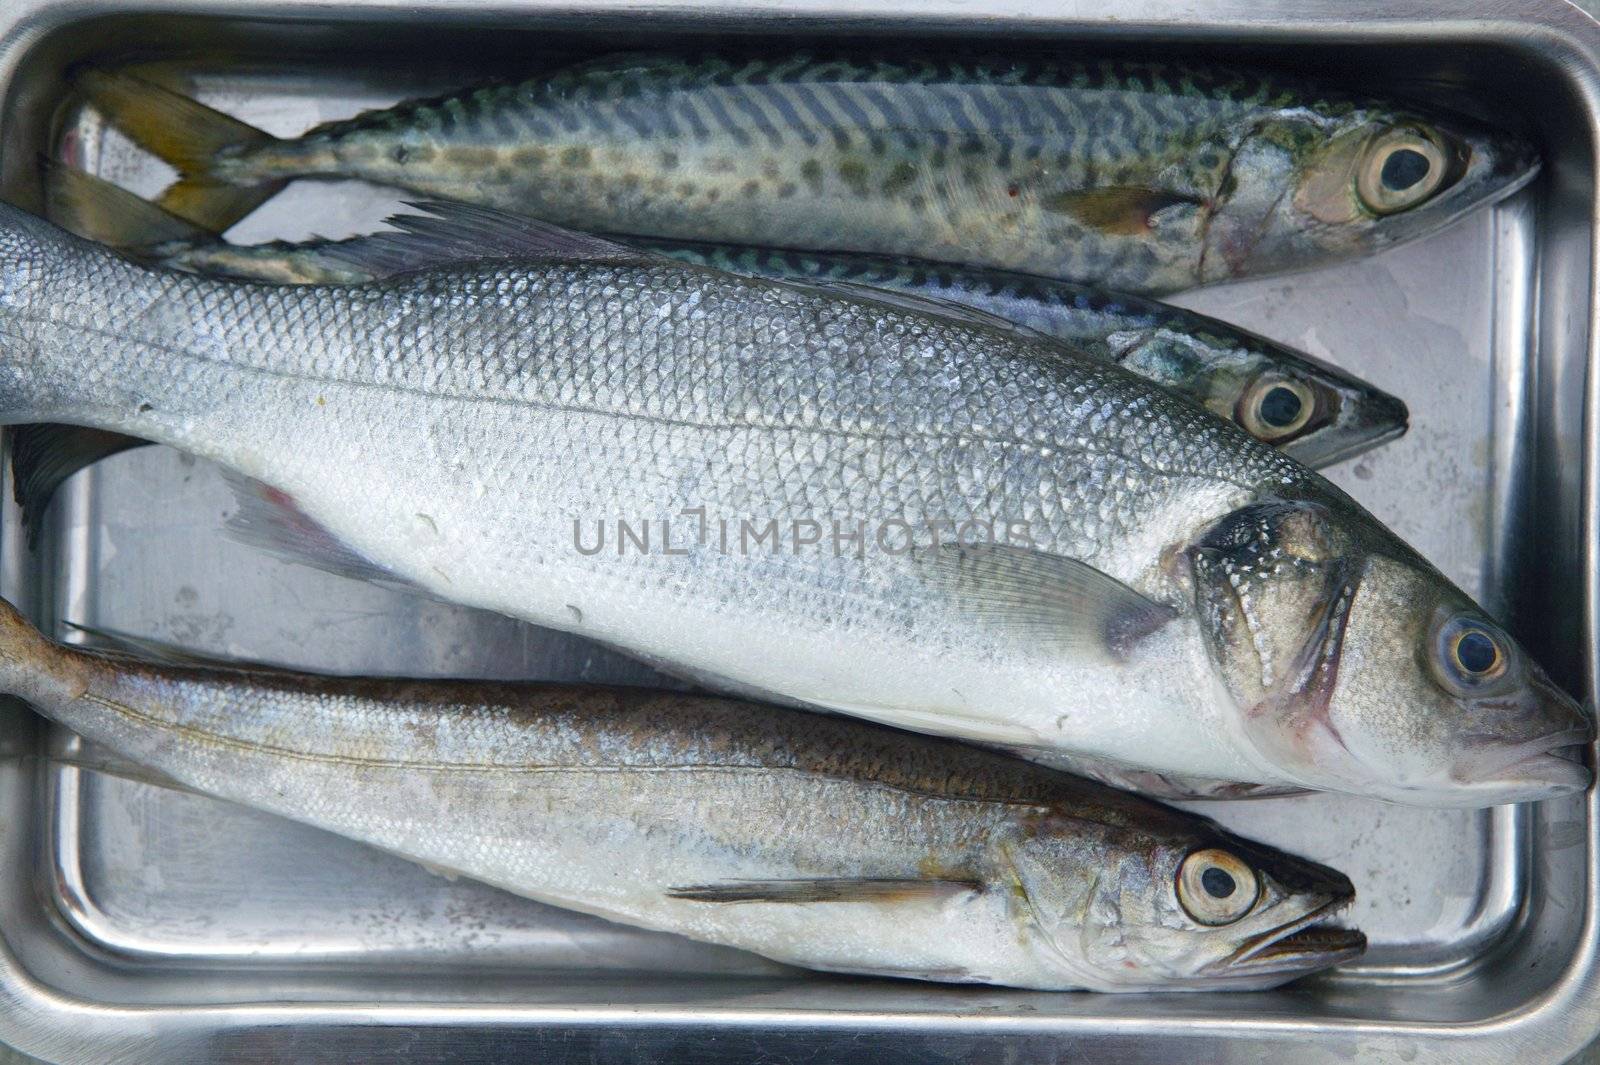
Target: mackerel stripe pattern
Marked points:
980	162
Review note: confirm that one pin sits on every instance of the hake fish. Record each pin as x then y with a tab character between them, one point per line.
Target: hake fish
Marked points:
810	839
1310	410
944	522
1142	177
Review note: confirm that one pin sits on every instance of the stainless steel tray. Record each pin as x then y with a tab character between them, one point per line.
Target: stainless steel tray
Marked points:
147	925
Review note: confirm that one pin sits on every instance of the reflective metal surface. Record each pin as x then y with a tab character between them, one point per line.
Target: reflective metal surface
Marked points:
150	924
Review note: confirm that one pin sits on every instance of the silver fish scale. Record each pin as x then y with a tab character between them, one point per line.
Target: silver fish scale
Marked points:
461	428
764	399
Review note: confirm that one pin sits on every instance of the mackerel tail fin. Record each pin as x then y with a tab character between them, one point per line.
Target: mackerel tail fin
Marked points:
97	210
189	136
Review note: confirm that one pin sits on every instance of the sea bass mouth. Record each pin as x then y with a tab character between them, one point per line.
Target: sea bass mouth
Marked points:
1542	768
1301	946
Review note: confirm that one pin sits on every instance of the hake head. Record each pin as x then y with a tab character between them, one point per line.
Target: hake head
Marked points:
1354	666
1170	902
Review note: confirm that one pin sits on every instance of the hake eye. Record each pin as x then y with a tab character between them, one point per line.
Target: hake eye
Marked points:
1400	169
1216	887
1274	408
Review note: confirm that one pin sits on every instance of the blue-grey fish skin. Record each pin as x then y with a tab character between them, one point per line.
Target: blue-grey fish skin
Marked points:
1159	590
1144	177
1229	371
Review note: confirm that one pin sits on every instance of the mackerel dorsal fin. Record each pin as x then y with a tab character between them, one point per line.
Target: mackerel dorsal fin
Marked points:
1047	598
448	232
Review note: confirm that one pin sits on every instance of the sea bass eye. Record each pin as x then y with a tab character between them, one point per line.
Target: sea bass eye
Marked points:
1470	653
1400	169
1274	409
1216	888
1477	653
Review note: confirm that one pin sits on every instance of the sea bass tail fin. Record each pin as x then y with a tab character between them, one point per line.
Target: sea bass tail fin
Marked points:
188	135
44	455
97	210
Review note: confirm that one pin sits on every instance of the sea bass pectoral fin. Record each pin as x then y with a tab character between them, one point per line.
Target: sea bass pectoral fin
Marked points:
186	134
44	455
1044	597
826	890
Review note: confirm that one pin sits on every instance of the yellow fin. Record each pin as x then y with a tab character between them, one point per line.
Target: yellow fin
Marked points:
186	134
1123	211
97	210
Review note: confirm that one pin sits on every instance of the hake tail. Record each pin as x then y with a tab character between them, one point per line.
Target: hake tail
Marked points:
189	136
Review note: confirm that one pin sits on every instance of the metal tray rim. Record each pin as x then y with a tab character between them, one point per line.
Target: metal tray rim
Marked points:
41	1018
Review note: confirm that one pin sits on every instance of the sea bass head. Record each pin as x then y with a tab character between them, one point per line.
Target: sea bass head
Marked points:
1356	666
1171	902
1313	412
1307	185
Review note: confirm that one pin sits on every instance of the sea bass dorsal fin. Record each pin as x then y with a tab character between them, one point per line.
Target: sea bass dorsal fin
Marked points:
798	892
97	210
272	521
1119	210
920	304
1049	598
186	134
449	232
44	455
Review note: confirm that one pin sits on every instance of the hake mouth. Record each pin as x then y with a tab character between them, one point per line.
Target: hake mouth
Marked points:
1300	946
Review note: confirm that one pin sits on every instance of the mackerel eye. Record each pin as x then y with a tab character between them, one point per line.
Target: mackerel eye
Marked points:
1216	888
1400	169
1274	409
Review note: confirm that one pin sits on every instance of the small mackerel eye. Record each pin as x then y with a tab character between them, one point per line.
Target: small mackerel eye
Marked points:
1400	169
1275	408
1470	653
1216	888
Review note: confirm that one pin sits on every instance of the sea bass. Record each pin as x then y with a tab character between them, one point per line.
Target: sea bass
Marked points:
1310	410
814	840
1142	177
947	523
